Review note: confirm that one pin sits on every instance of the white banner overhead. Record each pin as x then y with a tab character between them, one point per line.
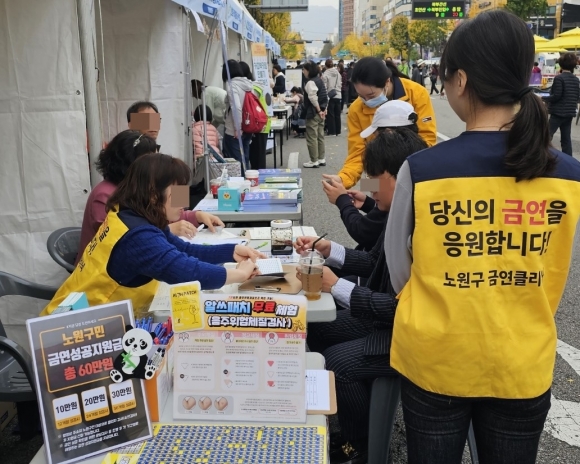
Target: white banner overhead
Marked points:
258	33
235	16
268	40
206	7
248	31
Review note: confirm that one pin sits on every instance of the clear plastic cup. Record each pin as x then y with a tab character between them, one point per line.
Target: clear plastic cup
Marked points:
310	265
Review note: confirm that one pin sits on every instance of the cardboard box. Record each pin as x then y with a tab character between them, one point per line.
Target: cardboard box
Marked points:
157	389
7	413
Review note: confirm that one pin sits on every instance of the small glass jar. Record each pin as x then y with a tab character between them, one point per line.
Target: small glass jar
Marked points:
281	235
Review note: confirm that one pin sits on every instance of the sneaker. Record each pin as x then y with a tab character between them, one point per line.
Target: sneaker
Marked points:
322	162
310	164
346	454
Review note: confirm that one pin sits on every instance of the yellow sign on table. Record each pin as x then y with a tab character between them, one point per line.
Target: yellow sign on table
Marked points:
185	306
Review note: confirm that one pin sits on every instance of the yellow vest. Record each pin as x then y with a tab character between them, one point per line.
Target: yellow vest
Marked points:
90	275
476	318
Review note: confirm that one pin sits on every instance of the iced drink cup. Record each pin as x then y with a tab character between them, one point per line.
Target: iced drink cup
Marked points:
311	266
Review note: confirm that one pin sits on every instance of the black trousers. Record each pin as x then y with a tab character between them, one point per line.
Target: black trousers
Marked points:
342	344
565	126
258	151
344	100
506	430
333	116
434	86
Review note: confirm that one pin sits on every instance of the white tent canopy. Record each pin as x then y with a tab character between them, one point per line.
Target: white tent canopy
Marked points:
151	49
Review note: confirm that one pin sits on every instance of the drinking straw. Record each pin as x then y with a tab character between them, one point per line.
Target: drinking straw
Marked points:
312	255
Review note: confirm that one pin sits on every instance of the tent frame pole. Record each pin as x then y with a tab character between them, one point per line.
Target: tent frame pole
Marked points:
187	146
86	21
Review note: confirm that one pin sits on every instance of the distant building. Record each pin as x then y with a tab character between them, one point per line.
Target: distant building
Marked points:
345	18
546	25
370	13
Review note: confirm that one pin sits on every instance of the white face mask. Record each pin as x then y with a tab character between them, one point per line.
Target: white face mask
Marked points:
377	101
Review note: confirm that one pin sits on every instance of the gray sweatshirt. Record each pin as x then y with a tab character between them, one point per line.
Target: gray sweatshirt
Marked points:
239	87
333	80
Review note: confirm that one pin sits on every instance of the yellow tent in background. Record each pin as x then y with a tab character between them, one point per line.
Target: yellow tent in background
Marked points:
569	39
539	40
546	48
571	33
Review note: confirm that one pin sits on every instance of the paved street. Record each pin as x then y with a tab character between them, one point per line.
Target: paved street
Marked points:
564	419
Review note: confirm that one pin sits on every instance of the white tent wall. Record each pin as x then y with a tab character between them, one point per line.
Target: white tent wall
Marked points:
44	180
247	53
234	44
199	43
143	49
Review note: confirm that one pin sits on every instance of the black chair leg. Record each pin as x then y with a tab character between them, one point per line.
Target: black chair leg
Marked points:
472	445
28	419
385	397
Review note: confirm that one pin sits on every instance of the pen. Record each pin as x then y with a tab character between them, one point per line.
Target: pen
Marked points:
200	228
263	244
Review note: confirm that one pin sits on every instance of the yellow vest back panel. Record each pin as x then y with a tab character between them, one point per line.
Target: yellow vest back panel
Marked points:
490	262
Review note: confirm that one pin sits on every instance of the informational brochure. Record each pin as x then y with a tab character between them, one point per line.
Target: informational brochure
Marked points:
246	363
83	411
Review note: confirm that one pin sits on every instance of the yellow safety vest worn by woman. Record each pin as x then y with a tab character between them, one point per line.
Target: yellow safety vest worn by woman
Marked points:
490	258
129	256
360	117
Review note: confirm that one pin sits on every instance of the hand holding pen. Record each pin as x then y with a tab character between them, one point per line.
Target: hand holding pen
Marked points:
306	243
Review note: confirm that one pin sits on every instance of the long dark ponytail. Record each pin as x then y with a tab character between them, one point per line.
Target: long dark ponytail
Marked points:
502	78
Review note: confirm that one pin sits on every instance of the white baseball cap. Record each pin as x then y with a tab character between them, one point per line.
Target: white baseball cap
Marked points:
394	113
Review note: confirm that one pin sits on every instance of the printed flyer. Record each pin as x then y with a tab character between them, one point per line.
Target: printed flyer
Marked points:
246	363
83	411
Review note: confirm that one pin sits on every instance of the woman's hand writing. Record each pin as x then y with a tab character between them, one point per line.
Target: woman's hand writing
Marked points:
242	253
209	220
183	229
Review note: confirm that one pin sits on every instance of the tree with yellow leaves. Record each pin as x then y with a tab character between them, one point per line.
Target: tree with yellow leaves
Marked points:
429	34
290	49
420	34
399	35
277	24
356	45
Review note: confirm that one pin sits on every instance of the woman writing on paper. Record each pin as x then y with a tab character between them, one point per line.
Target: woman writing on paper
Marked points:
134	248
113	164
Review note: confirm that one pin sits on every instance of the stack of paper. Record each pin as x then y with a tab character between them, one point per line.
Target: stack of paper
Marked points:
205	237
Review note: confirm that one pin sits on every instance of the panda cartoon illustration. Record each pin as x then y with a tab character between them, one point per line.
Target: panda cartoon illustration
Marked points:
133	362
